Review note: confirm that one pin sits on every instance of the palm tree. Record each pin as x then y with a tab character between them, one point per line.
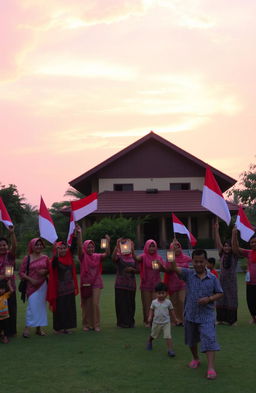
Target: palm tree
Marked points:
71	192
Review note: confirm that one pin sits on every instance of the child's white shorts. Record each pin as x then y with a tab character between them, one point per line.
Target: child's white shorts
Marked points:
157	328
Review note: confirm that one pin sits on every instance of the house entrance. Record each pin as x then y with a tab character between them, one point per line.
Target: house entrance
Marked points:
151	230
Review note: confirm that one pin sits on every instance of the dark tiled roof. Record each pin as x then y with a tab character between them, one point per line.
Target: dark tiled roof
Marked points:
113	202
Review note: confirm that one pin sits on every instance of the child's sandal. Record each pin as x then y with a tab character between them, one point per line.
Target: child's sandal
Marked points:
211	374
194	363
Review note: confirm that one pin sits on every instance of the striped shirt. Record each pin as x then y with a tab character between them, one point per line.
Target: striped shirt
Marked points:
198	288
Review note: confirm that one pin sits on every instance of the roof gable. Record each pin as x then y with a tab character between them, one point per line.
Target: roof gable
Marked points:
150	156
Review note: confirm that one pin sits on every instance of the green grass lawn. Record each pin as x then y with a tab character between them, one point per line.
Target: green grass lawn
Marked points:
115	360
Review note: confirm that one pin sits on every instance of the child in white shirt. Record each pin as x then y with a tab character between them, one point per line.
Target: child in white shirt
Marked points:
161	310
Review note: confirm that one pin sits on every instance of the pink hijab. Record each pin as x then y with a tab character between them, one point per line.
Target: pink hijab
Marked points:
147	258
89	260
32	244
182	260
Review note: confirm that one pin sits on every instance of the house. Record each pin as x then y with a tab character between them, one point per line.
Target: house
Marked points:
153	178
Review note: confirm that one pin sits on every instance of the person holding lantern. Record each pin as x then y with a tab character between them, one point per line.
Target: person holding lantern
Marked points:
91	281
151	264
176	286
7	266
125	285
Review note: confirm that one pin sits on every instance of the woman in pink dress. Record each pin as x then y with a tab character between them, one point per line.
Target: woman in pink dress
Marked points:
149	276
91	281
34	270
177	287
251	270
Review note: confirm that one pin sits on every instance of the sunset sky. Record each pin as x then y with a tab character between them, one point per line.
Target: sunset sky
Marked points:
80	80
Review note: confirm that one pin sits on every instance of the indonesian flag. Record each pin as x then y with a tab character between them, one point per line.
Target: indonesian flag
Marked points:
212	198
4	216
71	229
178	227
85	206
243	225
46	226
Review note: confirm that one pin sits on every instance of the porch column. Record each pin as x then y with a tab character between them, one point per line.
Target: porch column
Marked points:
163	239
189	224
139	236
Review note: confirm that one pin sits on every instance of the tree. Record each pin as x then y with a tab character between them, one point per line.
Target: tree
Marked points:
244	192
61	221
14	202
71	192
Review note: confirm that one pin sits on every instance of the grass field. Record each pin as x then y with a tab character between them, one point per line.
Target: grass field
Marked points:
115	360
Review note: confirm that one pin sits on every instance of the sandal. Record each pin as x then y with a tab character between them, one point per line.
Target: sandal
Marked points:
26	333
195	363
65	331
211	374
40	333
4	340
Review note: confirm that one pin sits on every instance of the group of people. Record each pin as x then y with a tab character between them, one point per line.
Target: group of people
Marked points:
194	293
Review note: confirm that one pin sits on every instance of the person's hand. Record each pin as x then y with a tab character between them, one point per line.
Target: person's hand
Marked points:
132	246
203	301
129	269
10	286
10	228
216	223
234	230
78	228
43	272
34	282
107	237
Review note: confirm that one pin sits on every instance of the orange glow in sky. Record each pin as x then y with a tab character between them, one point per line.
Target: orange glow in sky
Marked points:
81	80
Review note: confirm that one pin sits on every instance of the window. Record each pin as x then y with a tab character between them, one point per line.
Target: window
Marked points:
123	187
179	186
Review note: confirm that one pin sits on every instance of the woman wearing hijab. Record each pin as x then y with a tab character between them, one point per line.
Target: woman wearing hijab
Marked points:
177	287
7	258
227	306
125	284
91	281
149	275
62	288
34	269
251	271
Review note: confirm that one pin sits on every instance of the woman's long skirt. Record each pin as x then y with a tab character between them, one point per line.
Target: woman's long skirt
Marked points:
36	314
65	315
125	308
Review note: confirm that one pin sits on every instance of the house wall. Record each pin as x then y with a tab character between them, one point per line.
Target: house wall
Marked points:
162	184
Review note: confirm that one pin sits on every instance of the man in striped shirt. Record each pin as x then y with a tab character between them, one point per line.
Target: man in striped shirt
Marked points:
203	289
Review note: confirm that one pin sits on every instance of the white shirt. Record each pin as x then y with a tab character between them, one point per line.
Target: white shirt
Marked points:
161	311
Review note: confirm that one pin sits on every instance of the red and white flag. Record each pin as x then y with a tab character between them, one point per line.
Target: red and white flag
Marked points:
71	229
178	227
212	198
46	226
85	206
243	225
4	216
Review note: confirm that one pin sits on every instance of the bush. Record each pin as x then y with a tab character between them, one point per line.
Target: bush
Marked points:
114	227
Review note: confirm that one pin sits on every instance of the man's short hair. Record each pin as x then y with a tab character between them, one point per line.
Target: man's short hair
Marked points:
199	252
